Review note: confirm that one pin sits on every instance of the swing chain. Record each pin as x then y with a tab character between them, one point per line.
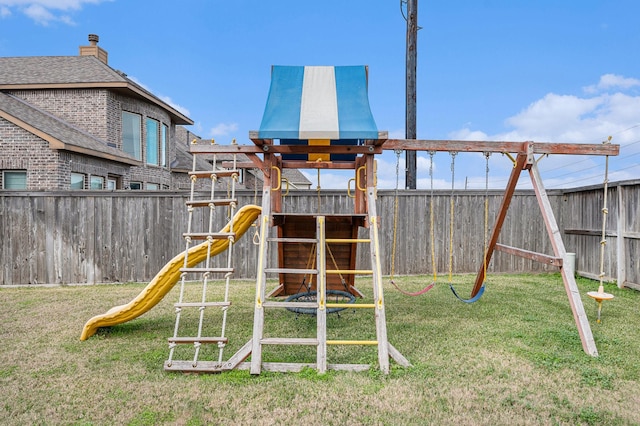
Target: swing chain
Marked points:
486	215
395	215
605	212
434	266
451	214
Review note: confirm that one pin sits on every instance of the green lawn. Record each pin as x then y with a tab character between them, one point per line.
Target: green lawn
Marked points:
514	357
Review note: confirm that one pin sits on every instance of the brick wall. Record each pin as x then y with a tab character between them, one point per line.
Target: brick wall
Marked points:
21	150
98	112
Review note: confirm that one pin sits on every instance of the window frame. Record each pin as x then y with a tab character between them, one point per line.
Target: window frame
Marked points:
164	135
76	174
96	180
152	141
22	173
132	147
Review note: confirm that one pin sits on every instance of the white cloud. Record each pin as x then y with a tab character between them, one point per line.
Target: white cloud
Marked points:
44	12
174	105
612	81
577	119
465	134
223	129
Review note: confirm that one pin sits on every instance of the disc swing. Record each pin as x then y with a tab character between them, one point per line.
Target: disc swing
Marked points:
600	296
395	232
486	229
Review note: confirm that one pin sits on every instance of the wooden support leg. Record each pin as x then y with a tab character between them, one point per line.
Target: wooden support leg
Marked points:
380	316
261	281
559	250
321	285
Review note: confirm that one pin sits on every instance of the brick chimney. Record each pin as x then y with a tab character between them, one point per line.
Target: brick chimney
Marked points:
93	49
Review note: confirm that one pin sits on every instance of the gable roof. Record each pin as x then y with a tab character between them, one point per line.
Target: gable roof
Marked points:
318	102
74	72
60	134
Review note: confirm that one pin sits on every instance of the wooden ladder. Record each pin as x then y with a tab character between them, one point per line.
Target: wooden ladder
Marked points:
385	350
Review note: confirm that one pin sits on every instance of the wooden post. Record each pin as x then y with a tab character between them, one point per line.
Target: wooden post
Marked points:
261	280
412	56
579	315
321	294
378	296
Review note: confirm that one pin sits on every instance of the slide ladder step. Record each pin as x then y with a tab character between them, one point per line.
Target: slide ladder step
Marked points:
290	271
205	235
201	304
203	270
206	340
309	341
217	173
207	203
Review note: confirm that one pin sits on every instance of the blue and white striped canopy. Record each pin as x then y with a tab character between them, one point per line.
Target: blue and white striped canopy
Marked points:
318	102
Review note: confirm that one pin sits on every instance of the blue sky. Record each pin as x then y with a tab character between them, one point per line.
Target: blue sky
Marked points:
544	70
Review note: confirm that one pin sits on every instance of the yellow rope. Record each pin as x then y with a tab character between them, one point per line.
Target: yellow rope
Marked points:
605	211
451	215
486	216
434	267
395	217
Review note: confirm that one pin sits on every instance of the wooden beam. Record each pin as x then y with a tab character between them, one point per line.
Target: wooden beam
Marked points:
538	257
223	149
500	146
302	164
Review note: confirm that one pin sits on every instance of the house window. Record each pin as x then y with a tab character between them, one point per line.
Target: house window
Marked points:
153	146
114	182
131	134
163	145
77	181
14	179
97	182
153	186
135	185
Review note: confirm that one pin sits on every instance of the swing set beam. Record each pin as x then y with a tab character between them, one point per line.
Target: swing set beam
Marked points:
501	147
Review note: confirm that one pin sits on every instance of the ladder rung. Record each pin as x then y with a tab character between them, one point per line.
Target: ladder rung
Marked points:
351	305
293	240
350	271
203	270
291	271
205	235
289	341
200	366
352	342
182	340
217	173
200	304
347	240
313	305
206	203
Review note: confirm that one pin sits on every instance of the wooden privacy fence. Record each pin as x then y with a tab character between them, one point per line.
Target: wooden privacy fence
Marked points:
105	237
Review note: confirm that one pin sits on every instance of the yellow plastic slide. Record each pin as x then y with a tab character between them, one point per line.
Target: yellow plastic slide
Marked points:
169	275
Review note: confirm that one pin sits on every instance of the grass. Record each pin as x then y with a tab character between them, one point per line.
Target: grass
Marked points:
512	358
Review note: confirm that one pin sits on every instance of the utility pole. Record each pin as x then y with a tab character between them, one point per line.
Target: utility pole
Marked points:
412	55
